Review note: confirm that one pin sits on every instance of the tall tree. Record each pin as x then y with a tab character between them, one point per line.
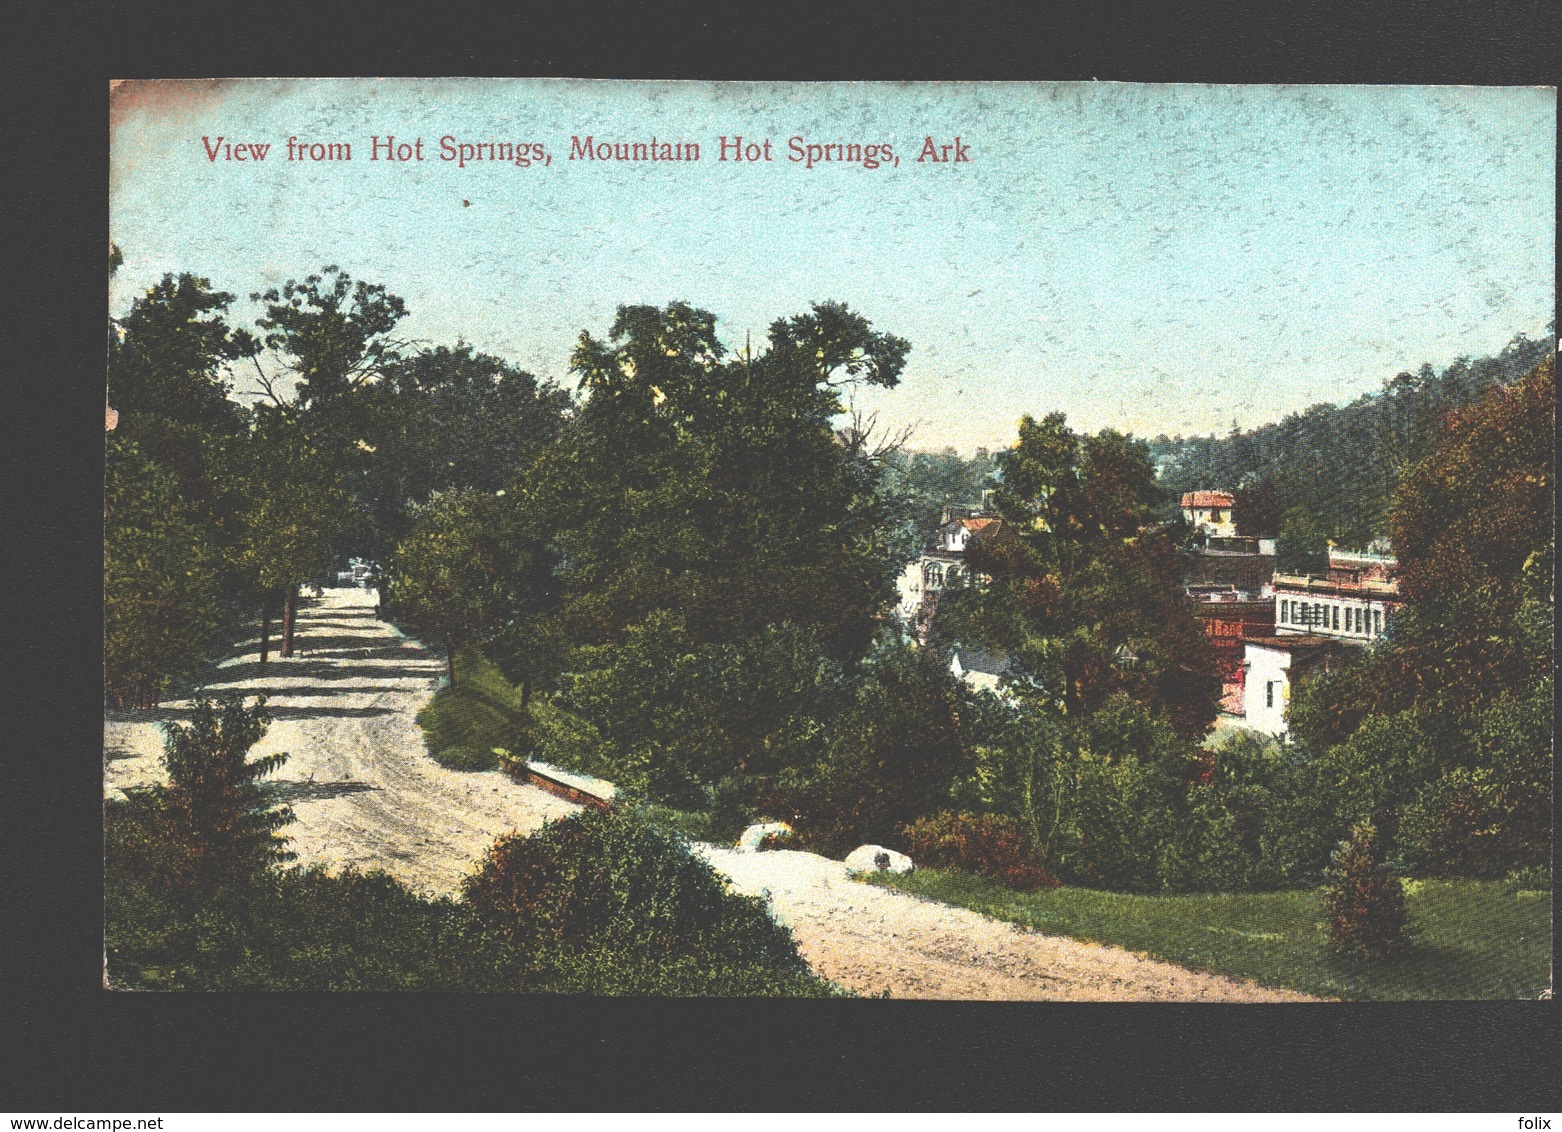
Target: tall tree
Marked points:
715	487
460	576
296	520
171	353
330	338
158	580
333	331
446	419
1085	588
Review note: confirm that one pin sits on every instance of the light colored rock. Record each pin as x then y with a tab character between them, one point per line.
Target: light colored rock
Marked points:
754	836
876	858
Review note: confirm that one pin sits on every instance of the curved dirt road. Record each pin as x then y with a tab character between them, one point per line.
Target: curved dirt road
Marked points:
875	939
362	786
366	793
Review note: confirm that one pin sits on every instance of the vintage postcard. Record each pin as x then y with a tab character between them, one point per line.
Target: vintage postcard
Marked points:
1001	541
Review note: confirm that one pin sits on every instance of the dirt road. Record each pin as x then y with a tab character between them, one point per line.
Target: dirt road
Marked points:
360	782
875	939
366	793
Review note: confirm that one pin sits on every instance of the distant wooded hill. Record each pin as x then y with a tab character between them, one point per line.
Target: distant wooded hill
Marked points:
1330	472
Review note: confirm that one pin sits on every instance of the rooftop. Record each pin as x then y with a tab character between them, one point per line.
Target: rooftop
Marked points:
979	525
972	659
1208	499
1291	643
1313	583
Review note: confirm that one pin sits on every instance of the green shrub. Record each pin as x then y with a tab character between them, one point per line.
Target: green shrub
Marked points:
467	758
462	725
1364	902
606	879
570	741
1531	878
893	754
307	929
284	929
991	845
721	822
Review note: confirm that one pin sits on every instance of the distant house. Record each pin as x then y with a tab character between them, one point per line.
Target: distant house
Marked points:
1352	602
955	536
1210	512
1220	556
979	669
942	566
1275	667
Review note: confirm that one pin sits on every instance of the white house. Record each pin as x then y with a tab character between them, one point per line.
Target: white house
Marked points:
955	536
1275	666
979	669
941	567
1211	512
923	580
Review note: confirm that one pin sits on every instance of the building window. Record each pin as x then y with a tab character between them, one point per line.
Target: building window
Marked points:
1336	618
1377	622
1269	693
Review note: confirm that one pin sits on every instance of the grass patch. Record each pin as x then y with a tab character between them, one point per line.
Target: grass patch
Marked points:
719	826
462	725
1472	939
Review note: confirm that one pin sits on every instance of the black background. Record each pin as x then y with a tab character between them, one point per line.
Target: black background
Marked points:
75	1048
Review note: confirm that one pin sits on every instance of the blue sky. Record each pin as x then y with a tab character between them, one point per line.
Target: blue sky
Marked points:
1150	258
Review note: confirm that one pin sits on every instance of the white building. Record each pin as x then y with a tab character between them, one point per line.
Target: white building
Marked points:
955	536
979	669
1275	666
1353	602
1211	512
941	567
923	580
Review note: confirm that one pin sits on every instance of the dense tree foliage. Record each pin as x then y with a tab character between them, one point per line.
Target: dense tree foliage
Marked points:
917	485
715	487
1447	723
170	356
159	581
681	580
1085	589
446	419
463	573
1335	467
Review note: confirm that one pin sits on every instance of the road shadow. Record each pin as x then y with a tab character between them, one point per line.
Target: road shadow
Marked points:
293	791
167	713
320	670
118	753
393	652
316	692
350	643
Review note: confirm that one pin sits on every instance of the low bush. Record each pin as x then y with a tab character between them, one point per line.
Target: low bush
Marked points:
1531	878
463	724
990	845
467	758
307	929
720	823
285	929
605	878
